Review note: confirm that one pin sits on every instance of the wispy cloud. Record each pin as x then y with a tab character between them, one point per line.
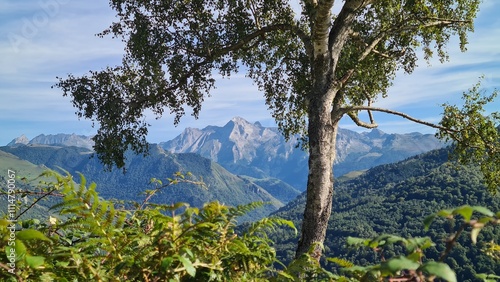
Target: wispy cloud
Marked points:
42	39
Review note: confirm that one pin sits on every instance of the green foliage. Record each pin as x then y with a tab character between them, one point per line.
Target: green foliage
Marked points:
219	184
396	199
414	264
411	266
476	136
93	239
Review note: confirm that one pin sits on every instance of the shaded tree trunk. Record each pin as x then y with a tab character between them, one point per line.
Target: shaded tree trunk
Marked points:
322	132
323	117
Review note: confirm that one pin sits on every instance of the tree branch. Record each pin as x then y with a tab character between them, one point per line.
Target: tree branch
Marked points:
369	48
19	278
36	201
262	31
451	242
358	122
347	110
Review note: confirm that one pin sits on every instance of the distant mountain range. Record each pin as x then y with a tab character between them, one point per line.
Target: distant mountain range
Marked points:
250	149
54	140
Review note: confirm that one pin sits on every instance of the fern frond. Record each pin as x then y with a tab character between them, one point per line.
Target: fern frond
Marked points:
341	262
261	225
244	209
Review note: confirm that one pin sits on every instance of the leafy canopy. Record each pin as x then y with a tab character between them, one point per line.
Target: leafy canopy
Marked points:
476	135
176	49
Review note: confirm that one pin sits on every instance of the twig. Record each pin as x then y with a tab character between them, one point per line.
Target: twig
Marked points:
451	241
35	202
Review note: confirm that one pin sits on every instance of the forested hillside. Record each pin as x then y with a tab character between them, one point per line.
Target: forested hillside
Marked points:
219	183
395	199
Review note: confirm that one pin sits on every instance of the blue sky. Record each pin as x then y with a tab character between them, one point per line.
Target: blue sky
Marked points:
42	39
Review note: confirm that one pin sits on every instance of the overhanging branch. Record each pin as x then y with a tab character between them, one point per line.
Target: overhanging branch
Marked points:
347	110
358	122
370	48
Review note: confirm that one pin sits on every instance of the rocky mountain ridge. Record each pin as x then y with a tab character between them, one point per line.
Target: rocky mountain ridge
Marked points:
61	139
251	149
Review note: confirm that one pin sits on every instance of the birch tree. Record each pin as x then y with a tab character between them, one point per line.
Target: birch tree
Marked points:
313	67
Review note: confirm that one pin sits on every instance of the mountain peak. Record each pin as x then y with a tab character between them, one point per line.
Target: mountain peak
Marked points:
375	133
21	140
238	121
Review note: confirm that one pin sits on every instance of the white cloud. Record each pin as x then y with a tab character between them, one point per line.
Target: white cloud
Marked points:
58	37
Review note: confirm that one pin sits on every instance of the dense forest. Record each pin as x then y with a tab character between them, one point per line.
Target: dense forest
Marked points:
395	199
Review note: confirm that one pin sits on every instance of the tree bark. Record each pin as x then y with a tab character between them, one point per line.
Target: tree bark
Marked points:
322	133
323	117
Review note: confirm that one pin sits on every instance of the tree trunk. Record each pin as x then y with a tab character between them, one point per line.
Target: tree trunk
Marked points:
323	118
322	132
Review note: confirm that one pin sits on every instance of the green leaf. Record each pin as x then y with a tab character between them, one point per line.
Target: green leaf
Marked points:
395	265
445	213
4	222
341	262
35	261
386	239
416	256
483	210
439	269
465	212
474	233
353	241
16	251
286	275
488	277
62	263
31	234
188	266
189	252
357	268
419	243
166	262
428	220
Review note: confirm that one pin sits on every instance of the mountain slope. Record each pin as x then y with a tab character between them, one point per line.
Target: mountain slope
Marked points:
251	149
23	172
395	199
222	185
57	139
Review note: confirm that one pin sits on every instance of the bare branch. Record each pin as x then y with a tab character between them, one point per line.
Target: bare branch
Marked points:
19	278
370	112
358	122
451	242
346	110
439	21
